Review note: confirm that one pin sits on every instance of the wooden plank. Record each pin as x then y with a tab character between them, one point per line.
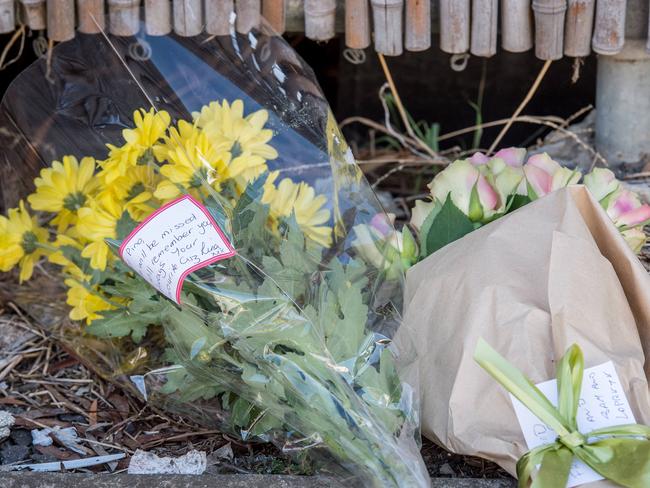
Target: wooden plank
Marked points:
92	18
60	20
578	27
249	15
274	11
516	25
549	28
320	16
454	26
387	21
217	16
357	24
158	17
609	27
35	16
485	16
418	25
124	17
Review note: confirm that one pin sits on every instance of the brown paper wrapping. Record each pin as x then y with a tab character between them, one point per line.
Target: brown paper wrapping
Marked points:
553	273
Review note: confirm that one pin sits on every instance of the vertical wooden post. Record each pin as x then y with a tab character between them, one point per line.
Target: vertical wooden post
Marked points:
648	44
188	17
158	17
357	24
248	15
7	16
124	17
454	26
387	21
274	12
418	25
549	28
609	28
35	15
217	16
516	25
319	19
485	16
91	16
60	20
578	28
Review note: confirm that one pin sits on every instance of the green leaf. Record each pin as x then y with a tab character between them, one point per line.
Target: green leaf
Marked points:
122	323
426	227
124	226
516	201
450	224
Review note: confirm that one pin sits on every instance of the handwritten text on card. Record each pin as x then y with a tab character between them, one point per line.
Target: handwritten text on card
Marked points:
602	404
178	239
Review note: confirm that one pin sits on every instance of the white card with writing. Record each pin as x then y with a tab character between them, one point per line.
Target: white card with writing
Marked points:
602	404
179	238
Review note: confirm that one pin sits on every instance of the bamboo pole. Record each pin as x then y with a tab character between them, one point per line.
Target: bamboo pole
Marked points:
158	17
274	11
124	17
357	24
578	28
60	20
516	25
387	21
7	16
217	16
320	16
485	16
454	26
609	28
248	15
35	16
549	28
418	25
91	16
188	17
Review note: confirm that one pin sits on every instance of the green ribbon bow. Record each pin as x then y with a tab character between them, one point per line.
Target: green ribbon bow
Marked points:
620	454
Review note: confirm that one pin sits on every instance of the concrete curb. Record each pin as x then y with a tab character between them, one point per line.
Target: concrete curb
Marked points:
57	480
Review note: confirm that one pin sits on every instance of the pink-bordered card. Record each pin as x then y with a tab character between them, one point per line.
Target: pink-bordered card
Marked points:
176	240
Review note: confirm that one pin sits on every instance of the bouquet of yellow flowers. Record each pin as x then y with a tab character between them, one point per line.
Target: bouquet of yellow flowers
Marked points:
209	242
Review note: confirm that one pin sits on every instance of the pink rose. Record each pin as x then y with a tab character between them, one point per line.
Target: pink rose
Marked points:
625	209
512	156
545	175
459	180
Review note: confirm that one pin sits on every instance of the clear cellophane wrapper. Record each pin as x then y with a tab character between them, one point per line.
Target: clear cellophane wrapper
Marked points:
289	339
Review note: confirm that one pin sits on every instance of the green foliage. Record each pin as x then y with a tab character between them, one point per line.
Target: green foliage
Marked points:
448	225
143	307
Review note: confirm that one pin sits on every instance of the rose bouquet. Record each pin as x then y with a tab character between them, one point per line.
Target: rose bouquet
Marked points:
208	239
472	192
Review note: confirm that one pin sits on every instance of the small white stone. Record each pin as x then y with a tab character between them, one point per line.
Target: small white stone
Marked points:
142	462
6	422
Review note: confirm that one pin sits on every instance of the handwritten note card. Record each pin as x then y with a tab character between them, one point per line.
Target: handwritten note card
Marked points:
602	404
176	240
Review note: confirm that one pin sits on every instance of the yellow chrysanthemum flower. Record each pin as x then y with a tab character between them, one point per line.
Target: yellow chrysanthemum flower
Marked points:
22	241
134	191
64	188
192	158
97	222
246	138
301	200
150	127
86	302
